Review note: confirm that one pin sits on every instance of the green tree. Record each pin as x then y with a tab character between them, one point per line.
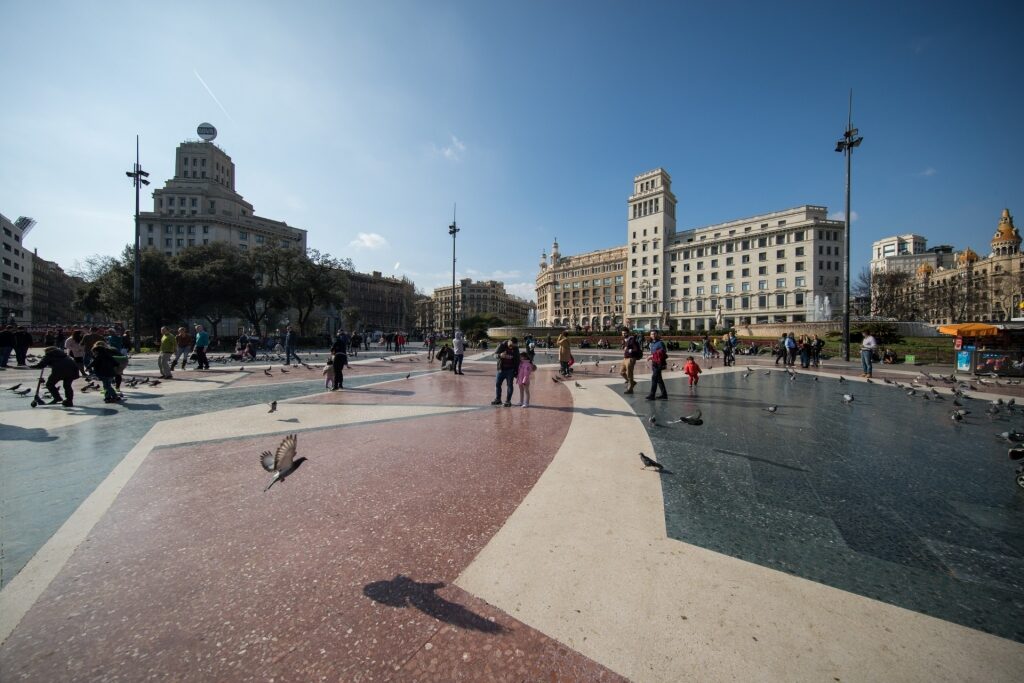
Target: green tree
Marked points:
351	315
213	276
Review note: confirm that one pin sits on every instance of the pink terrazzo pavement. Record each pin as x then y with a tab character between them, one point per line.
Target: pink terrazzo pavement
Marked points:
342	572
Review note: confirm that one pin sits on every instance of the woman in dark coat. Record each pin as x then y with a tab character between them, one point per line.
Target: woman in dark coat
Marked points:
62	369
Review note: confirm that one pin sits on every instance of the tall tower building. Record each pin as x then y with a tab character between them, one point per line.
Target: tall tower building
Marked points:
651	222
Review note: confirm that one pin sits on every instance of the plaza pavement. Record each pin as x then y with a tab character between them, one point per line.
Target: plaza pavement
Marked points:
429	536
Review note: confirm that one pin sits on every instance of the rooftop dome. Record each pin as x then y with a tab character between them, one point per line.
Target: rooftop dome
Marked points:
1006	233
924	269
966	256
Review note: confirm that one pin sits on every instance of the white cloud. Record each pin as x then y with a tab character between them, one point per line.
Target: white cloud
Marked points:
453	151
841	216
368	240
927	172
525	290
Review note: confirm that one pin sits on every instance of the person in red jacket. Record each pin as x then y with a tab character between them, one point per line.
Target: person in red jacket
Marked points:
692	370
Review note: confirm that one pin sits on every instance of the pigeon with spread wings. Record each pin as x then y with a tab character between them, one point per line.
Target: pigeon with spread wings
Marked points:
283	461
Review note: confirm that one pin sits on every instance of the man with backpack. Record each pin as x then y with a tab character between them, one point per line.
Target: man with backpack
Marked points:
631	353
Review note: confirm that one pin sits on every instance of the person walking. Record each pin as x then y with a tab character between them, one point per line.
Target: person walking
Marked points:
63	369
508	367
22	343
183	347
867	353
692	370
659	361
780	352
523	374
288	342
631	353
564	354
167	345
459	348
202	343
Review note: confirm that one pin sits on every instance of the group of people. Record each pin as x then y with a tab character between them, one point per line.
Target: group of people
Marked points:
97	352
807	347
182	346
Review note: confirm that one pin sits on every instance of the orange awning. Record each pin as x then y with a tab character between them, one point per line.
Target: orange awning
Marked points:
970	330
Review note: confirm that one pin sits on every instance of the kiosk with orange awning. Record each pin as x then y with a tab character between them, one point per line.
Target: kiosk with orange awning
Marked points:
983	348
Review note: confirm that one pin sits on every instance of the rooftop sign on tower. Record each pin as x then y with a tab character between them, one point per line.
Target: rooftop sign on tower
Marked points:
206	131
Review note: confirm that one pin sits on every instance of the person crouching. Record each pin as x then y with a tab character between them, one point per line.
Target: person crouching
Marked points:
106	367
63	369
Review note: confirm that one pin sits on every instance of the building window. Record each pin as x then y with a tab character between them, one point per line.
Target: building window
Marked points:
745	286
799	251
780	268
780	283
780	300
762	284
169	242
730	287
798	299
763	270
243	235
763	256
800	282
780	253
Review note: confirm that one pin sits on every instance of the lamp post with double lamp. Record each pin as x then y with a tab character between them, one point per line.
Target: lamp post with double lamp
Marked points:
846	145
138	177
453	230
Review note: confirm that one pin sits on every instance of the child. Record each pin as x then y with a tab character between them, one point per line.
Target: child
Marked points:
526	368
692	370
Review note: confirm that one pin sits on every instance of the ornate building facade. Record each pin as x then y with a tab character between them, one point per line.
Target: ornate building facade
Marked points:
471	298
783	266
975	289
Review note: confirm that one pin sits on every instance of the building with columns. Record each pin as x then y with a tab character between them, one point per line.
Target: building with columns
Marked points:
586	290
199	205
777	267
470	299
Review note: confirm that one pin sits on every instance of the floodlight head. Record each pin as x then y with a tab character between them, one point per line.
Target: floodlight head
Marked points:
129	174
143	181
143	173
841	146
856	143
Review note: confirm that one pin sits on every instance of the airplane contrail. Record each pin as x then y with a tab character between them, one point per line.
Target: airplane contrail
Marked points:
212	95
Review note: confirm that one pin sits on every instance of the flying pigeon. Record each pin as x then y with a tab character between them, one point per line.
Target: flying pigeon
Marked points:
273	407
771	409
847	398
650	463
15	387
282	461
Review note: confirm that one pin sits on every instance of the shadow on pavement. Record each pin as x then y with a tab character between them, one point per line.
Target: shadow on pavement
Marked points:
402	591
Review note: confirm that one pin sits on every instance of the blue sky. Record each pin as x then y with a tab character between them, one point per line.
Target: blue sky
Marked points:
364	122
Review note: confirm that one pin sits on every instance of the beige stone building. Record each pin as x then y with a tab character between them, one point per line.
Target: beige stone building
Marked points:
586	290
783	266
16	272
53	293
474	298
199	205
975	289
385	303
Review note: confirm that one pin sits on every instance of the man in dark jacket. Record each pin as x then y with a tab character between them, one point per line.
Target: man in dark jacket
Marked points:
106	366
6	344
339	360
22	343
62	369
508	364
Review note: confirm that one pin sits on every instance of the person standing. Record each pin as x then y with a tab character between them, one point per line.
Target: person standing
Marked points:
631	353
459	348
564	353
431	347
339	352
202	343
182	347
780	352
6	345
22	343
89	340
523	374
867	353
817	344
508	367
791	349
659	361
73	349
167	345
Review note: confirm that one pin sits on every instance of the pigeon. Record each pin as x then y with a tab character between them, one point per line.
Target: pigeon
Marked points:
653	421
957	416
155	383
771	409
578	385
267	372
23	392
555	380
15	387
745	375
283	371
767	372
887	380
957	402
282	461
868	380
911	392
847	398
273	407
650	463
1012	436
815	378
694	419
841	378
408	375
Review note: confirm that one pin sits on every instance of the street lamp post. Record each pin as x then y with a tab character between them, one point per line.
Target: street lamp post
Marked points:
138	177
453	230
846	145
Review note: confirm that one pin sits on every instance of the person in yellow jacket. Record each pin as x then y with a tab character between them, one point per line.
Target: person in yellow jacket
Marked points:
168	344
564	354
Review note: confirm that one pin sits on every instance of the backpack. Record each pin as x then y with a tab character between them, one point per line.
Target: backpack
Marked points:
636	351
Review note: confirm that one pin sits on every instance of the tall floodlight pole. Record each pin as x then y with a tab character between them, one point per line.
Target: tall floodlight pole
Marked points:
846	145
138	177
452	230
